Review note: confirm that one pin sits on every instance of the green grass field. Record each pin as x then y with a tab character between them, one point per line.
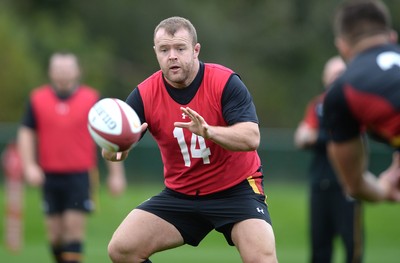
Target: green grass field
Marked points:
288	208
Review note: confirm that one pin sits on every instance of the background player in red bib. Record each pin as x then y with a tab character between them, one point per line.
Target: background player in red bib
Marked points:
332	212
366	96
58	153
204	121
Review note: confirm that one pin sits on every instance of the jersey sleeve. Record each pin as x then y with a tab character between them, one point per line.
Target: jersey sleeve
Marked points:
28	119
338	119
135	101
310	115
237	103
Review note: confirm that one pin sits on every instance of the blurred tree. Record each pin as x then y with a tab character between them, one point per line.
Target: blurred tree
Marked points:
71	35
18	68
278	47
41	31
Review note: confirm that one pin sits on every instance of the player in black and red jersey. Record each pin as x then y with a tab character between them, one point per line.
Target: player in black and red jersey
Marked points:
58	153
365	97
332	212
204	121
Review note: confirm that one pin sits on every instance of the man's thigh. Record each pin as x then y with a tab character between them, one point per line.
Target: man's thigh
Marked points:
145	233
255	240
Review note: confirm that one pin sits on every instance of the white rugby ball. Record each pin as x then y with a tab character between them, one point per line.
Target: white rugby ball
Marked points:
114	125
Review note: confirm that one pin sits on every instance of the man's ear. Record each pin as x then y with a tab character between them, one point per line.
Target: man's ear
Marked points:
196	50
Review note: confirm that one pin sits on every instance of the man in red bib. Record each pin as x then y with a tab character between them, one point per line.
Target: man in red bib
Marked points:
55	127
204	121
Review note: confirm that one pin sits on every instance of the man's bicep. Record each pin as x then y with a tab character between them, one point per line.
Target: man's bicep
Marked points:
237	103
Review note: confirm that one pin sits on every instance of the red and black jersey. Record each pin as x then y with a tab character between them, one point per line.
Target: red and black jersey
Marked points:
64	143
367	96
313	111
322	175
193	165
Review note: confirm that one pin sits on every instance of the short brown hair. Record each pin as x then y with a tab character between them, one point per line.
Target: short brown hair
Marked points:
173	24
356	19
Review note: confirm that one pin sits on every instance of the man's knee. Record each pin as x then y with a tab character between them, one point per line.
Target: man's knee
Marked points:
119	252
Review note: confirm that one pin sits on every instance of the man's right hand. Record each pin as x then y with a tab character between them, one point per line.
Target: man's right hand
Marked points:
34	175
389	180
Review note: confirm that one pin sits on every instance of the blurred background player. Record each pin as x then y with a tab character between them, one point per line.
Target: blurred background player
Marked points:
58	154
365	96
332	212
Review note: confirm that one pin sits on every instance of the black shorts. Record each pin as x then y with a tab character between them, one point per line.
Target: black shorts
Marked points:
68	191
196	216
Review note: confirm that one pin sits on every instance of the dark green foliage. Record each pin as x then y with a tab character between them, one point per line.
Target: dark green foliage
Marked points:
278	47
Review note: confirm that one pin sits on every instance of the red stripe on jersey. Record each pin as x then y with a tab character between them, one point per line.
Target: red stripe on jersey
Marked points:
376	112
